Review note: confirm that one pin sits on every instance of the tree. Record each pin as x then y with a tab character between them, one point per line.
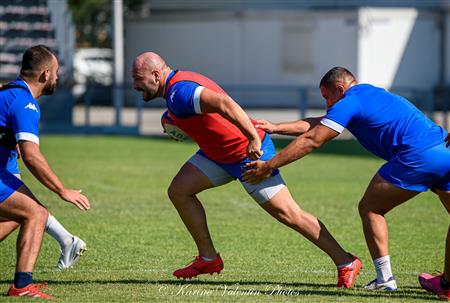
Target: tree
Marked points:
92	19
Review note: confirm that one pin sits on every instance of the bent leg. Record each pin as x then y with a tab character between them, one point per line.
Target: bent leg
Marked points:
283	208
380	197
23	208
190	181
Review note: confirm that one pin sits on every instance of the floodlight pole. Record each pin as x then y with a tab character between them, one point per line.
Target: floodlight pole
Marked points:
117	8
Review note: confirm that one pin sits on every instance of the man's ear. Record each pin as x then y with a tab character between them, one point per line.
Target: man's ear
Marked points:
341	88
44	76
156	75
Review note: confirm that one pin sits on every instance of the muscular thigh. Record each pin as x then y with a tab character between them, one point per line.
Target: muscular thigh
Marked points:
20	205
444	196
382	196
198	174
266	190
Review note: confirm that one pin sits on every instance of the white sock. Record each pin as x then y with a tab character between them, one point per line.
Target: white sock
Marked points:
207	259
344	265
58	232
383	268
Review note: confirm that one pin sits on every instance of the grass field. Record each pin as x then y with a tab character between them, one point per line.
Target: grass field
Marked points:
136	239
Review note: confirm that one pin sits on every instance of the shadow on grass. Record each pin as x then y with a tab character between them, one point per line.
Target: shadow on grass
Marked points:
272	288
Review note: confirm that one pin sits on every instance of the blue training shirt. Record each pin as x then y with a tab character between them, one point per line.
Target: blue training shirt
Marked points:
385	124
19	112
183	98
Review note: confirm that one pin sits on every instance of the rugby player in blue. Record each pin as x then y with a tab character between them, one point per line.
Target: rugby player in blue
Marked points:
19	121
391	128
71	246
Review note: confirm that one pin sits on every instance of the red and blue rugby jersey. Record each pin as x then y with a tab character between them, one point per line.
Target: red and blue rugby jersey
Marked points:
217	137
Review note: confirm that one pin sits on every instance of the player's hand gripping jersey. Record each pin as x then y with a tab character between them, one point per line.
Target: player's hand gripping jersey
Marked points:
217	137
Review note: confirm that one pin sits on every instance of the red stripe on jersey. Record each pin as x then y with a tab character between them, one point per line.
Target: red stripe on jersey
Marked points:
217	137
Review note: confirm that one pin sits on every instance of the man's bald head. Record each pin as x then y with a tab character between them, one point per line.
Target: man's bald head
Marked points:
149	61
150	72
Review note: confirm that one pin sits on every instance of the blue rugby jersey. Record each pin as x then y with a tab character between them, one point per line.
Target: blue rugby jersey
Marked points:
19	113
385	124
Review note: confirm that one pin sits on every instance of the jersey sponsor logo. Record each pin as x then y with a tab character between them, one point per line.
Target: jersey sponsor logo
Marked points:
32	107
172	95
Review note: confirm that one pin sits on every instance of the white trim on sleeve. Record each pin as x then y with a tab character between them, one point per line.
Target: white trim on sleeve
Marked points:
27	137
197	92
333	125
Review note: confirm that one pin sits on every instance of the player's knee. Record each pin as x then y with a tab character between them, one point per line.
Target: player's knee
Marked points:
363	208
41	214
37	214
289	216
175	191
286	218
366	208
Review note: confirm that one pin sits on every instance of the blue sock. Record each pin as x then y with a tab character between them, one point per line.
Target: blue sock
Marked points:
22	279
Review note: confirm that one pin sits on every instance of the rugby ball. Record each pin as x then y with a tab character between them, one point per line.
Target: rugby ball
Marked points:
171	129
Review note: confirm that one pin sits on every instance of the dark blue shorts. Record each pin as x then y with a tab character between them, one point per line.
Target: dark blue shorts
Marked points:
8	184
238	168
429	169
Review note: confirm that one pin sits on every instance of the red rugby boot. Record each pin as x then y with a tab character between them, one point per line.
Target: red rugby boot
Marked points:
31	290
347	275
432	283
198	267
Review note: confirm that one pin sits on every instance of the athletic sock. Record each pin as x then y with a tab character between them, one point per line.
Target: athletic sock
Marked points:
383	268
23	279
344	265
444	283
58	232
207	259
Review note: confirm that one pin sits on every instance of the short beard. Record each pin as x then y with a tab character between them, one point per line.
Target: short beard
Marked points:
149	97
49	89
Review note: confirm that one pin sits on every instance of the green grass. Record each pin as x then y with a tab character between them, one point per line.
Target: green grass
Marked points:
136	238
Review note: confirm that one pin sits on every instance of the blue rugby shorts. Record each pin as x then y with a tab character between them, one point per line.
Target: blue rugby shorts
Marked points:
429	169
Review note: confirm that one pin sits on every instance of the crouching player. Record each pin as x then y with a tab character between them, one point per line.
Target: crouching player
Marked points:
228	140
19	121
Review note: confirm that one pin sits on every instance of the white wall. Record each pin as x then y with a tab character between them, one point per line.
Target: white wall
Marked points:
207	46
398	47
254	48
386	47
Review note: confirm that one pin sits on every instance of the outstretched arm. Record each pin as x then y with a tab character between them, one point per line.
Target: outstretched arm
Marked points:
294	128
212	102
298	148
39	167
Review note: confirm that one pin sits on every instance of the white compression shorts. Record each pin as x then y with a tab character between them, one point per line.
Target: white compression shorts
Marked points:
261	192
